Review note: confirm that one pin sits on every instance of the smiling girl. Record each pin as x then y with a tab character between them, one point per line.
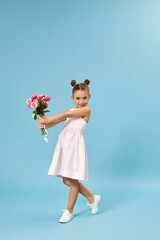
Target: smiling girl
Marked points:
70	156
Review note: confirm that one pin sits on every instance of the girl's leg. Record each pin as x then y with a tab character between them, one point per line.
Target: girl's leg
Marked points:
82	189
74	190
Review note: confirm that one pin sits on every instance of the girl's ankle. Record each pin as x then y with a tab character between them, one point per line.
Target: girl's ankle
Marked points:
71	211
91	200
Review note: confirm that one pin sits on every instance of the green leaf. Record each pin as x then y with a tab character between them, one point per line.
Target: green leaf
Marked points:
35	112
46	111
42	131
35	117
41	114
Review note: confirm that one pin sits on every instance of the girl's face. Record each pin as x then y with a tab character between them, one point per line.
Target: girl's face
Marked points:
81	98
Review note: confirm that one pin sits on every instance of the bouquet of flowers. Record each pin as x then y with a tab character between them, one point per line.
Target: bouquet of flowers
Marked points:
38	102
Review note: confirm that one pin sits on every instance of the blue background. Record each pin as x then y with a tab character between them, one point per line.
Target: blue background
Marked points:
115	44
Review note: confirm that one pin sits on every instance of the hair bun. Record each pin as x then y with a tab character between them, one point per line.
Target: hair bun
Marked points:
73	83
86	81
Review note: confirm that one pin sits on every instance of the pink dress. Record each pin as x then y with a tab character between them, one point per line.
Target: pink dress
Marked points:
70	155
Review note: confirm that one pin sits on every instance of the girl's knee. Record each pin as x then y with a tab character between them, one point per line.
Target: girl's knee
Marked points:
70	181
73	181
66	181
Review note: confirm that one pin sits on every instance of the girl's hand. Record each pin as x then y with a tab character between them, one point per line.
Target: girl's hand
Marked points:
43	120
40	125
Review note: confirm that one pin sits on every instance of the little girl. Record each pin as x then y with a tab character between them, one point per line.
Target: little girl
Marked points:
70	156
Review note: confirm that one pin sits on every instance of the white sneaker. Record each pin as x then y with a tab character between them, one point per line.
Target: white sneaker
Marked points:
66	217
94	205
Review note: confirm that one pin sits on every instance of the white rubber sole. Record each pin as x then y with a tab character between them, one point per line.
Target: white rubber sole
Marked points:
66	221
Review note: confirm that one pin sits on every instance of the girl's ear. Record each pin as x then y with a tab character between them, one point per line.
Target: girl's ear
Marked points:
72	97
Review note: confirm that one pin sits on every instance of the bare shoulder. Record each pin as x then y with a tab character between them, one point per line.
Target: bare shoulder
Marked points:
80	112
86	118
84	111
88	109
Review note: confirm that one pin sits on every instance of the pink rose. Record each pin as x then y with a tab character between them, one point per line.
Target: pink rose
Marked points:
36	101
40	96
33	105
34	96
29	105
48	98
29	100
43	98
46	105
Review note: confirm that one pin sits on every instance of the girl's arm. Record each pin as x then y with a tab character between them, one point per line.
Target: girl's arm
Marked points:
49	124
71	114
